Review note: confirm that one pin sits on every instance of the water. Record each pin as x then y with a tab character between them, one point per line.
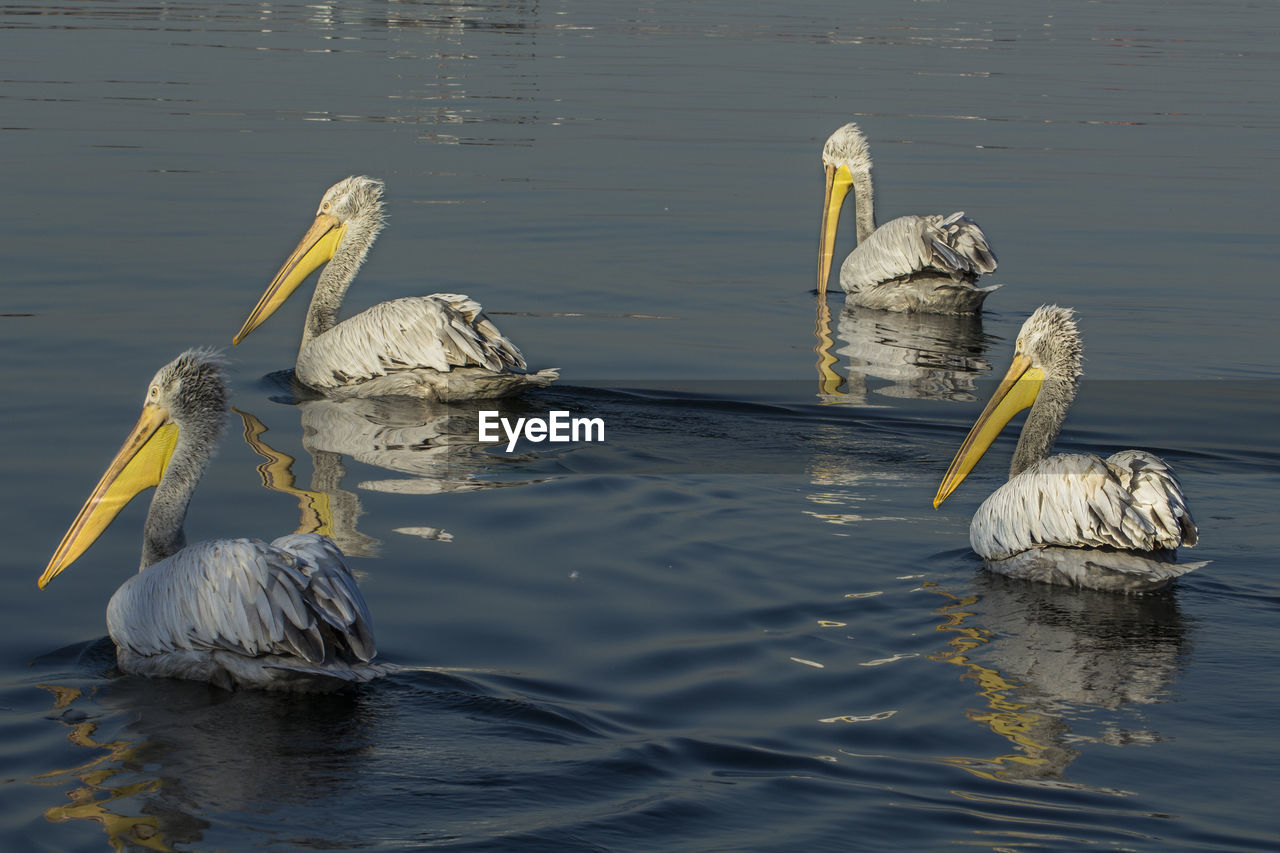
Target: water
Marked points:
737	624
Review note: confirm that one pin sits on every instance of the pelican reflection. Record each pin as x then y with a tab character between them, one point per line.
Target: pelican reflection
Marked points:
95	793
902	356
436	445
1055	672
325	508
160	753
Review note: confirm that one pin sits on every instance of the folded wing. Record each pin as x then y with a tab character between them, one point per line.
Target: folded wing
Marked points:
441	332
1131	501
294	600
951	246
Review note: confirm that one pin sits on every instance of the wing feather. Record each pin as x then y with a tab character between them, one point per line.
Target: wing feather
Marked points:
1131	501
439	332
293	598
913	245
1156	489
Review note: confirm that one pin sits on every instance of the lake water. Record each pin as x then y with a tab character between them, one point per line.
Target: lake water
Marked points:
737	624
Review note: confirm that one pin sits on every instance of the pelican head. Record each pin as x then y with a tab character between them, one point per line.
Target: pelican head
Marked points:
1044	374
844	156
354	204
182	419
847	148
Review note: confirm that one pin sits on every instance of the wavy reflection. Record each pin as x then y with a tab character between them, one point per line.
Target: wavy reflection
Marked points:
325	508
92	796
853	488
442	89
829	380
187	751
1055	671
277	475
917	356
436	445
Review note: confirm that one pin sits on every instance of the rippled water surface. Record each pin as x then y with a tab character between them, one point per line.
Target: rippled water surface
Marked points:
738	624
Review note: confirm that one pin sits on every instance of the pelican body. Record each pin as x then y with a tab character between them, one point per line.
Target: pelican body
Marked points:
1072	518
913	263
233	612
437	347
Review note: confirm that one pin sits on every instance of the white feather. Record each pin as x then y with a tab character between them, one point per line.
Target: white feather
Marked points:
435	347
952	246
1130	501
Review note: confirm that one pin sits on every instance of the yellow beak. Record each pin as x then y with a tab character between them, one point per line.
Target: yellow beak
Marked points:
315	250
1017	391
839	180
139	465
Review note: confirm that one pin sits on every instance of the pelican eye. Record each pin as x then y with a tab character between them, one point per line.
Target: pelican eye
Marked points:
325	207
154	393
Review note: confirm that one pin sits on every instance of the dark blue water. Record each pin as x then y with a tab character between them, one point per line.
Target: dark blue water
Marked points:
738	624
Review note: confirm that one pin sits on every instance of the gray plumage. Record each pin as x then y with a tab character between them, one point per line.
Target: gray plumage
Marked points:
913	263
244	613
194	389
1052	341
437	347
232	612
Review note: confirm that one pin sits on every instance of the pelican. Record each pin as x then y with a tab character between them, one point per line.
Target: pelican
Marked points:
912	263
437	347
1072	518
232	612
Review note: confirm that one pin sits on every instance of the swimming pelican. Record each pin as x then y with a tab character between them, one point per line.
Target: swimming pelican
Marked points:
912	263
1129	507
233	612
437	347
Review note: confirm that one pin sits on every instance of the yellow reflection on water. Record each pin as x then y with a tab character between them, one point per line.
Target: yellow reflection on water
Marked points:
1030	730
277	475
90	795
829	381
898	355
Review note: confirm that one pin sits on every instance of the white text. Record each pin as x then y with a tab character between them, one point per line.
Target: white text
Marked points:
558	426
